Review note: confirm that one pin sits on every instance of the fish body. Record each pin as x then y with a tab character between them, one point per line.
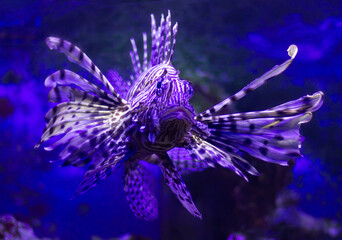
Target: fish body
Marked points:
162	109
155	123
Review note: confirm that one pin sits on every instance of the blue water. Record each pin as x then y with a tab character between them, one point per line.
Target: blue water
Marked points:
221	46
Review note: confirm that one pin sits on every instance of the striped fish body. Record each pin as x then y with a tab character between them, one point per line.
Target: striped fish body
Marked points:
155	123
160	102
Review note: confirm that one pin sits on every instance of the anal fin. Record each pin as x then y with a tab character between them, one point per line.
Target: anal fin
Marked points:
139	191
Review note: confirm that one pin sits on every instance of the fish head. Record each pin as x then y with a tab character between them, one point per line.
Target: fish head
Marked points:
172	95
164	103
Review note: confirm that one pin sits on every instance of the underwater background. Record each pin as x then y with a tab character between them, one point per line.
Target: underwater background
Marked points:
221	46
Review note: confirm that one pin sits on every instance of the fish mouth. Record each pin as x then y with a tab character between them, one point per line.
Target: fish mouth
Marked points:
175	124
178	114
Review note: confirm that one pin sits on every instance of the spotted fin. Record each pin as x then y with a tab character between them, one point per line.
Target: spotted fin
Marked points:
276	70
184	163
105	155
75	55
72	118
271	135
205	152
61	94
162	48
121	85
90	122
139	190
100	169
305	104
174	180
72	80
135	59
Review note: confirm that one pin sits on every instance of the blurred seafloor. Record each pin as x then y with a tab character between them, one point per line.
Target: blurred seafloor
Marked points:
221	46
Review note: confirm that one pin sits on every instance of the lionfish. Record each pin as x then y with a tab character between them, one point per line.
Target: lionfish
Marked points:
155	123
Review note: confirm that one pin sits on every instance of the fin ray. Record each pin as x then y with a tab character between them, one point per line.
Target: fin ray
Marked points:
276	70
75	55
177	185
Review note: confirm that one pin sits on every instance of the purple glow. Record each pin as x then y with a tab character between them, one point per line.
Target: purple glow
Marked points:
221	46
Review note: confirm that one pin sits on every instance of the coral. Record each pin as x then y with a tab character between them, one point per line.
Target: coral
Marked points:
11	229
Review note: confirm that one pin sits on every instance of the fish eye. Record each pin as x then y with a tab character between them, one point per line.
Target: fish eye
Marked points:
162	77
159	85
